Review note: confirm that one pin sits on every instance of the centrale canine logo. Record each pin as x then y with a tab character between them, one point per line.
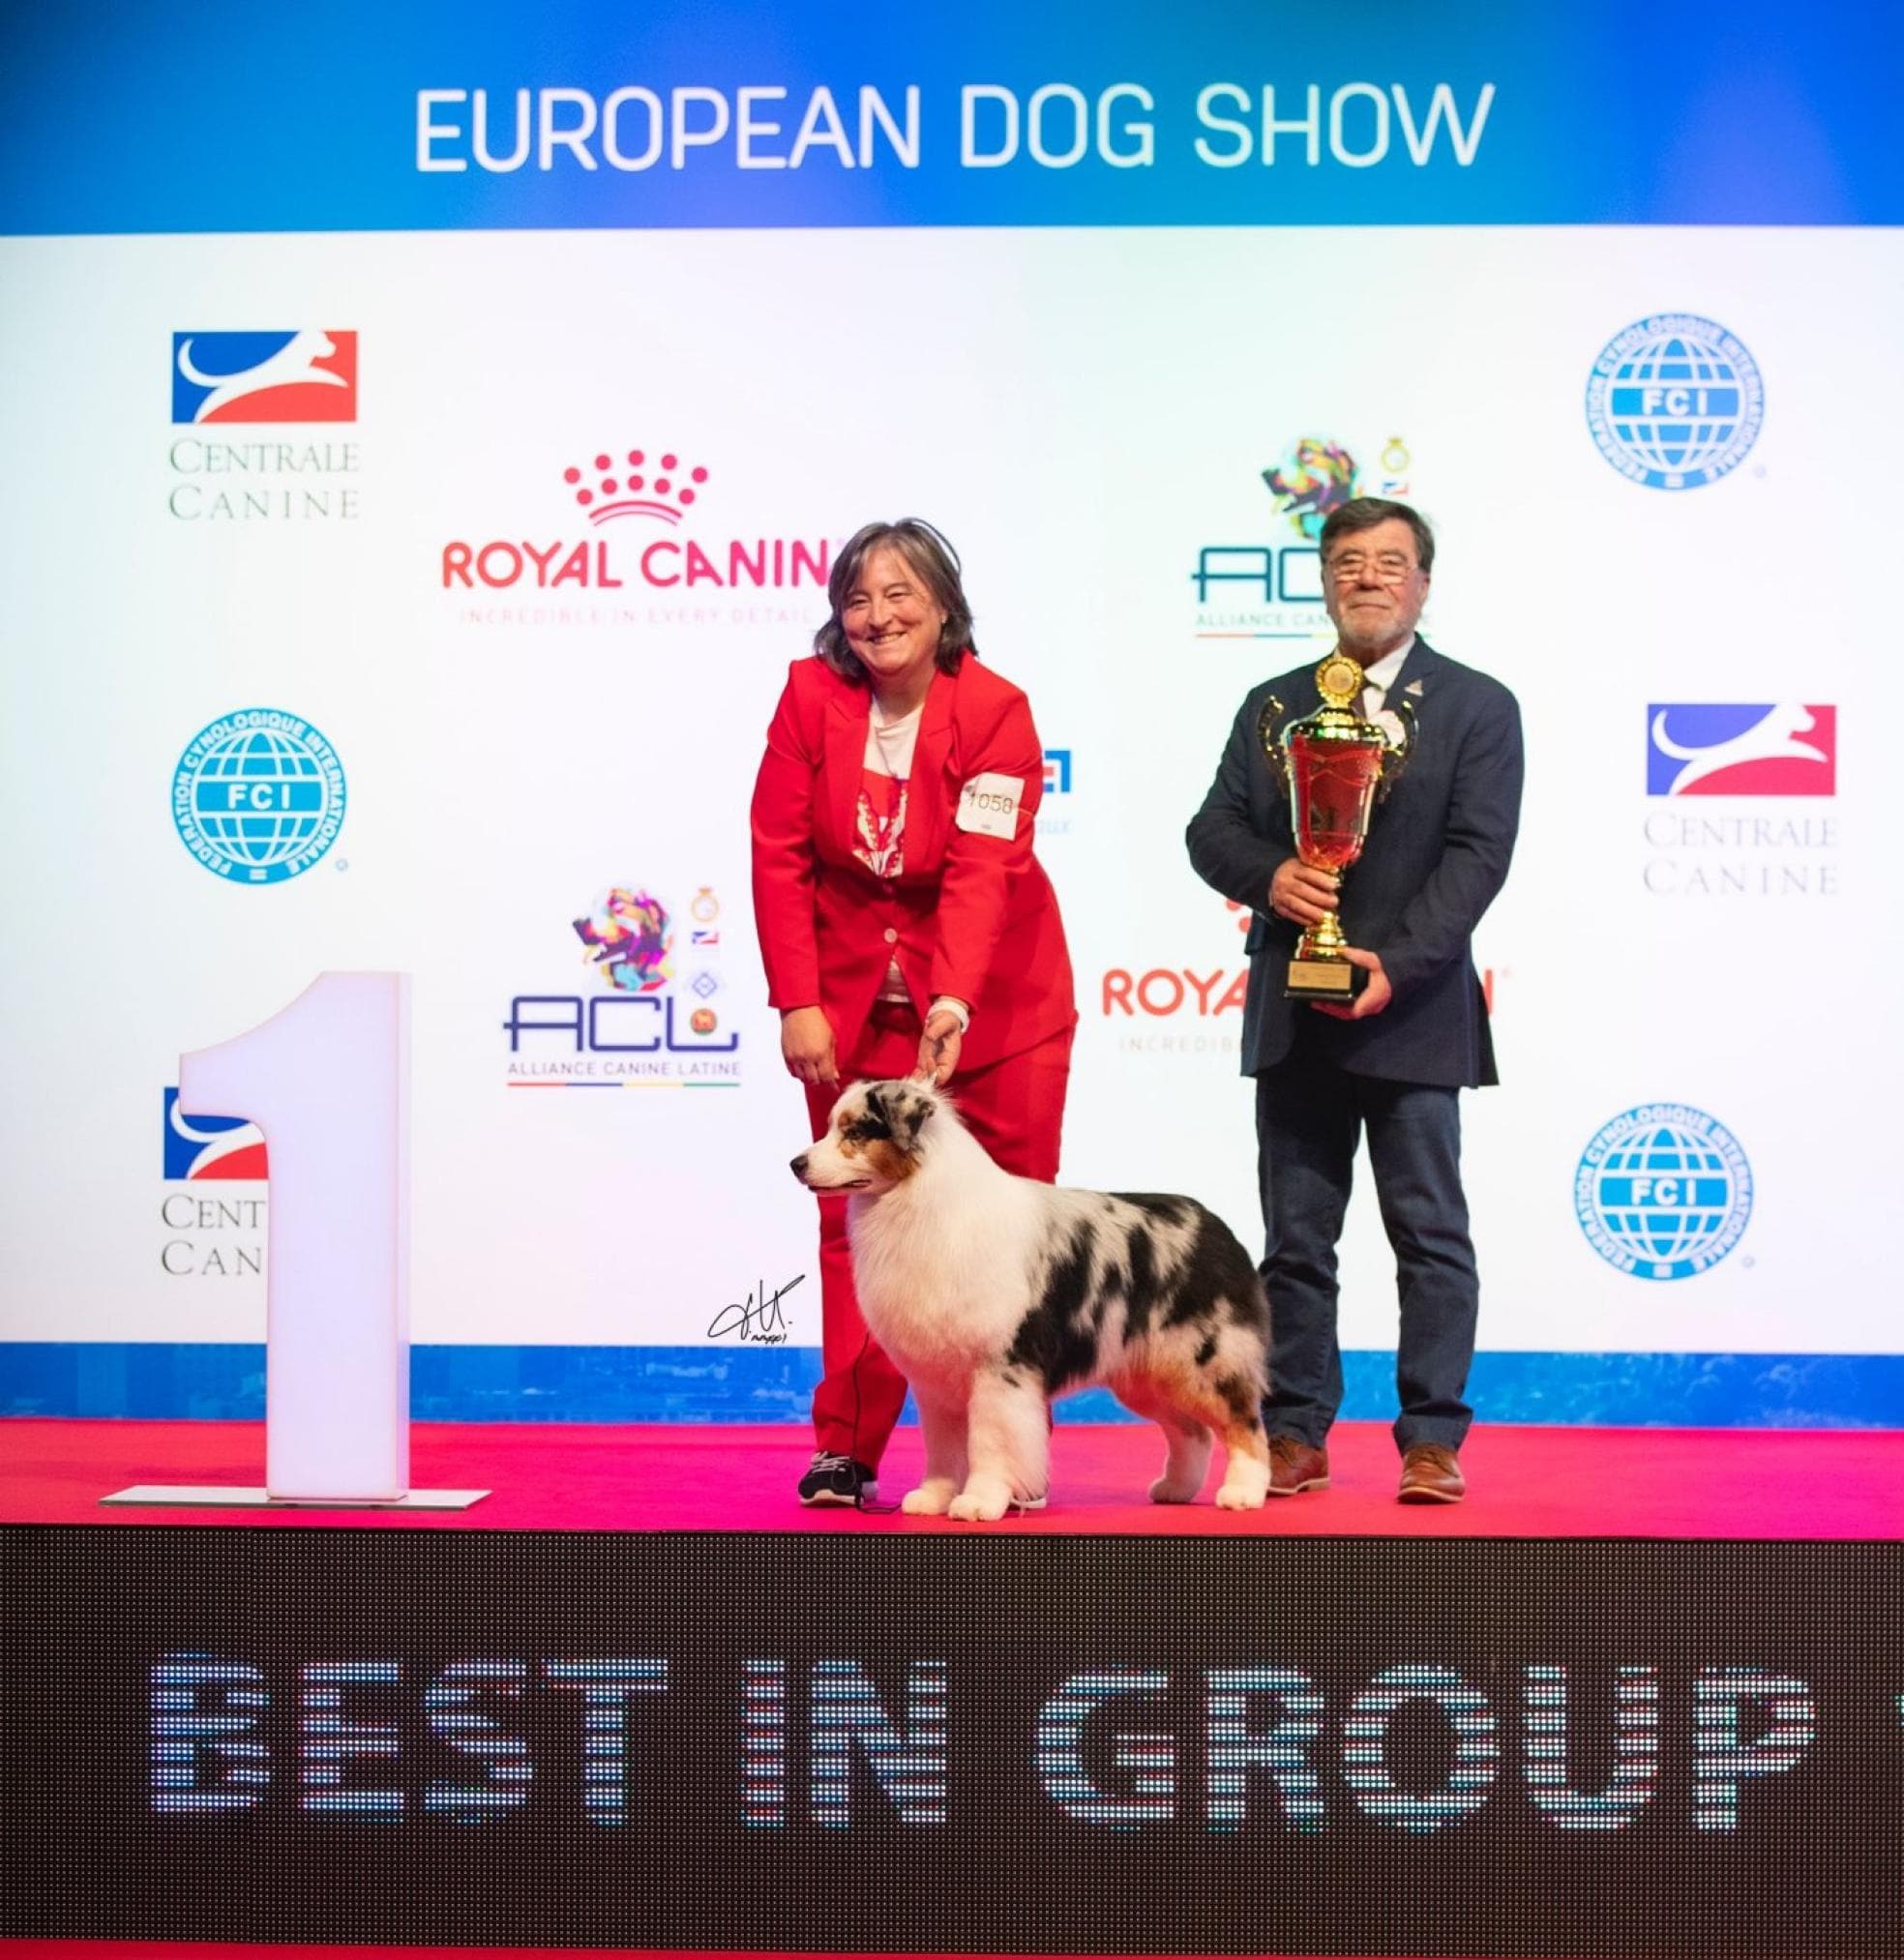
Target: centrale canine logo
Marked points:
235	455
1663	1191
258	796
223	1148
1741	749
306	374
1675	401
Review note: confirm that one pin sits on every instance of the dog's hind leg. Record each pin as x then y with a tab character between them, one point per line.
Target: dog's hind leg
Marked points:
1230	1405
1226	1399
1186	1462
1235	1408
1009	1437
1246	1470
1186	1442
1240	1380
944	1426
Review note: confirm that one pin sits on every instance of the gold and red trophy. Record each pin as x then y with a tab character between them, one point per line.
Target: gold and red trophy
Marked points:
1336	766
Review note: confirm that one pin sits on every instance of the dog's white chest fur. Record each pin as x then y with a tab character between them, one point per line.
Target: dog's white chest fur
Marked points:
941	1269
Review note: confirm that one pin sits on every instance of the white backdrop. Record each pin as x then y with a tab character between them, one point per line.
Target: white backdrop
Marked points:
1083	412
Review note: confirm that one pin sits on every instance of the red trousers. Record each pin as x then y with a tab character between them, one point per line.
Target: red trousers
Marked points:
1015	1108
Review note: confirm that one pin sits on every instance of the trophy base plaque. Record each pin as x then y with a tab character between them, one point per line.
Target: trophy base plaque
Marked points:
1324	980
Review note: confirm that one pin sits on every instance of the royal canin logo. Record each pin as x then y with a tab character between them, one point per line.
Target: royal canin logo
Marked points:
671	488
1163	992
648	487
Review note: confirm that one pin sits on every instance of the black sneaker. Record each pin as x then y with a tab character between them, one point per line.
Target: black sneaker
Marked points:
837	1481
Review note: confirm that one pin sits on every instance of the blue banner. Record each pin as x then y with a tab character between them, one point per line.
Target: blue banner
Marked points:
228	117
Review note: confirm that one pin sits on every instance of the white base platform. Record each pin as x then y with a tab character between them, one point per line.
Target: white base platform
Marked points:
243	1496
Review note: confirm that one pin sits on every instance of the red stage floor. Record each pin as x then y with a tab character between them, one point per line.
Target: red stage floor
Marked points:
1523	1482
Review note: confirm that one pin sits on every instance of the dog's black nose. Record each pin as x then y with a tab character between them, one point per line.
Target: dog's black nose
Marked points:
800	1167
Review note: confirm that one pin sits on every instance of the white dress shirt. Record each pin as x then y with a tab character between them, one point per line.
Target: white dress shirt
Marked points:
1380	676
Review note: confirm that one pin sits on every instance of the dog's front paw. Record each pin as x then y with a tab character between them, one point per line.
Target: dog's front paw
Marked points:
1169	1490
1239	1498
929	1500
981	1505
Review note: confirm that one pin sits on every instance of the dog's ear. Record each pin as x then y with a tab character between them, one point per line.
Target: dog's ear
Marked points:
873	1108
913	1109
903	1107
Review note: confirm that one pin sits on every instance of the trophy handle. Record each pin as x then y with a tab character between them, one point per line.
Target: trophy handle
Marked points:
1400	747
1269	732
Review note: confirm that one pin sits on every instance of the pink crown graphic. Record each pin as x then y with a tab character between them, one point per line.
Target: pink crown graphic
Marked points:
659	486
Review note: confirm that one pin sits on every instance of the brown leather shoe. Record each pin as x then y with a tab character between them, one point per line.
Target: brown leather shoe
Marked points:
1431	1474
1296	1466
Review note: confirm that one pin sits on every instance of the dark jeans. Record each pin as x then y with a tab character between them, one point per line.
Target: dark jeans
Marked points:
1309	1116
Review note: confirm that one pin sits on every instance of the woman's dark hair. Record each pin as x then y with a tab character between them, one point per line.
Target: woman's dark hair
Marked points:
931	559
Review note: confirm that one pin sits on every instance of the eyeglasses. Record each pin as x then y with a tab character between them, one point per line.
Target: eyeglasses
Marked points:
1391	568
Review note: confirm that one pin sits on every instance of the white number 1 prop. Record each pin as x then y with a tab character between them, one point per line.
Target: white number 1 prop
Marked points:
328	1081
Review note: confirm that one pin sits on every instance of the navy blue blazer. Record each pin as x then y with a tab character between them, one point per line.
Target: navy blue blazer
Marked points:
1438	850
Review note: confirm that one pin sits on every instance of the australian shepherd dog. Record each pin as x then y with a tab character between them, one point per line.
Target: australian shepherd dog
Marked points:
994	1294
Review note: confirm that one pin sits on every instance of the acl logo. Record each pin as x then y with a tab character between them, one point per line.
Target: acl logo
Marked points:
305	375
639	1024
636	1034
1733	749
1275	592
1292	576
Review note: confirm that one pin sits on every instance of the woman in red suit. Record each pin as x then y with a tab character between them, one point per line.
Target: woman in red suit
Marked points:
905	924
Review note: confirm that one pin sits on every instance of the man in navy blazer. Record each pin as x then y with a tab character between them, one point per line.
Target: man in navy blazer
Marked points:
1396	1061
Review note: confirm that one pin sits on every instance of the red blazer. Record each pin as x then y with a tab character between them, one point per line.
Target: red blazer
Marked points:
971	915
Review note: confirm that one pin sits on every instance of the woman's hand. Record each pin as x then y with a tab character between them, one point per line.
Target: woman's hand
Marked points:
938	1048
806	1045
